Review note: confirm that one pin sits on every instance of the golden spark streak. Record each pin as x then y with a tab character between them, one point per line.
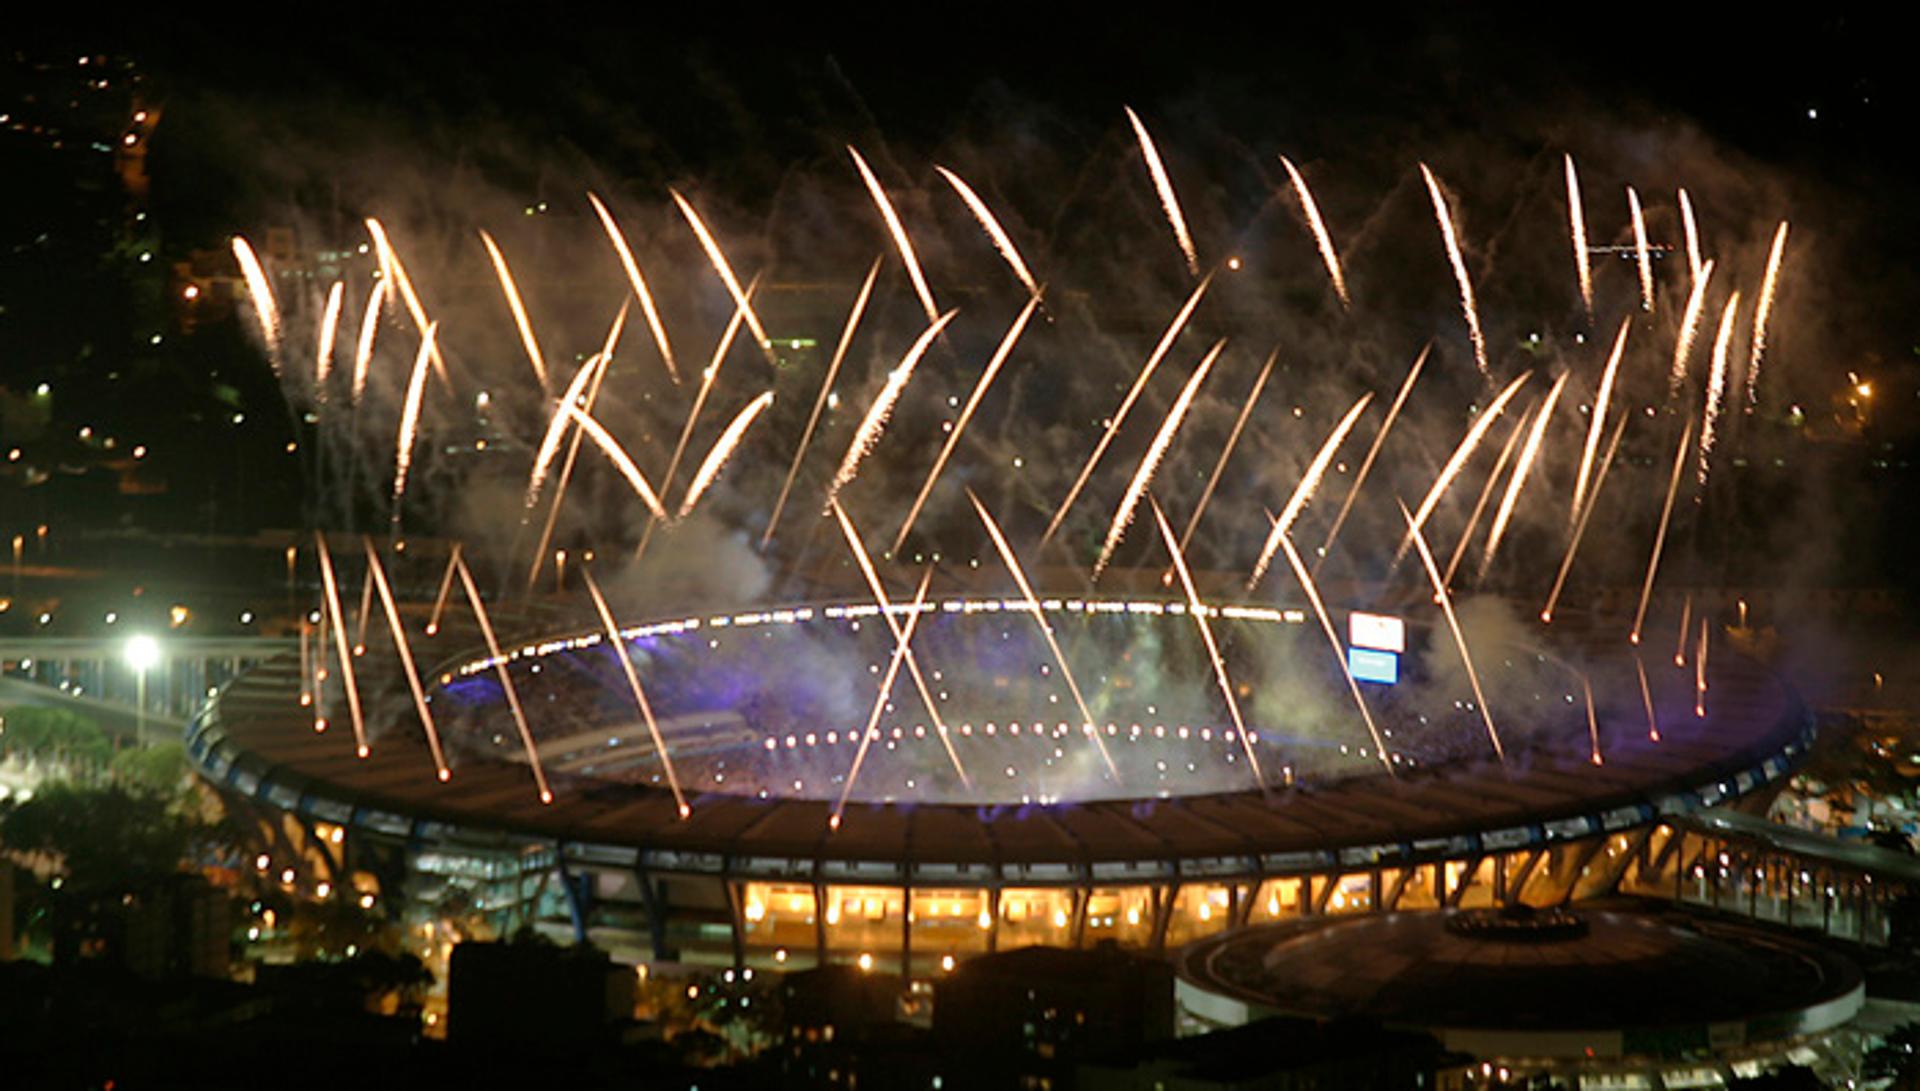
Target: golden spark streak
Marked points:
865	562
875	421
1640	251
1577	223
618	456
1123	515
1226	452
1470	309
1319	228
1593	721
1580	527
1716	390
365	615
1518	482
991	225
1689	326
1486	495
506	681
618	646
1163	185
1458	460
329	330
639	283
1763	311
899	232
707	378
980	386
446	586
1700	673
1686	619
557	427
520	320
721	450
742	301
1646	698
1600	399
1693	234
1339	652
1046	630
1198	611
1304	489
406	659
392	269
410	422
1453	625
1373	452
260	291
820	400
369	326
1660	536
339	625
1126	404
903	638
573	445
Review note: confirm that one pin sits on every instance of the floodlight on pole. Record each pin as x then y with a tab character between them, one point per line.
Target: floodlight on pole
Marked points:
142	653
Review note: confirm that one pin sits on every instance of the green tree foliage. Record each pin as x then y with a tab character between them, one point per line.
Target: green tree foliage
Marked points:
105	838
159	770
56	733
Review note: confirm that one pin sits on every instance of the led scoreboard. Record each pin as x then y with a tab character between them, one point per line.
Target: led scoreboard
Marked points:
1374	644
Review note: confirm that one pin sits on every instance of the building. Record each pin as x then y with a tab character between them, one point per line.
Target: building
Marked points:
536	994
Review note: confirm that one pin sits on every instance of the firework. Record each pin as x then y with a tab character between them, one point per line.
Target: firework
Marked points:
742	301
875	421
1686	619
1198	612
410	423
1444	215
1486	495
400	645
1303	491
260	290
903	639
330	588
1694	265
1716	390
1660	535
708	378
618	456
329	330
1163	185
1599	415
617	647
980	386
1339	651
1226	452
557	427
899	232
722	448
1157	450
446	587
1689	326
573	446
638	281
1577	227
1468	444
1641	255
1453	625
1646	698
1700	673
1580	527
369	326
506	679
991	225
393	269
1762	311
520	320
1528	454
1373	451
1593	721
1320	237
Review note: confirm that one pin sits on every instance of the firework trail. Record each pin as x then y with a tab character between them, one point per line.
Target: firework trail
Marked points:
991	225
1593	721
903	639
820	401
1467	305
365	615
1468	444
1308	485
1046	630
618	647
1199	613
369	326
1689	327
506	680
1163	185
1716	390
331	586
260	290
1319	229
1640	252
1126	404
1486	495
446	586
722	449
1580	527
999	358
1137	488
1693	234
1761	313
1598	418
520	320
899	232
1373	452
1577	225
557	428
742	301
410	423
573	444
639	283
1700	673
392	269
329	330
1646	698
1528	454
865	563
875	421
708	378
406	659
1453	625
1226	452
1660	536
618	456
1339	651
1686	619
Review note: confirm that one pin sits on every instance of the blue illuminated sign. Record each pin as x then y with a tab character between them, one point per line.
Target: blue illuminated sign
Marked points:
1369	665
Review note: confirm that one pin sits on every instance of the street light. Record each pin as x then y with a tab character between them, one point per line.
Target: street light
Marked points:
142	654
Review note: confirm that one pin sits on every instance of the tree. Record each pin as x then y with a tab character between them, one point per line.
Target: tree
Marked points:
43	732
156	770
104	839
